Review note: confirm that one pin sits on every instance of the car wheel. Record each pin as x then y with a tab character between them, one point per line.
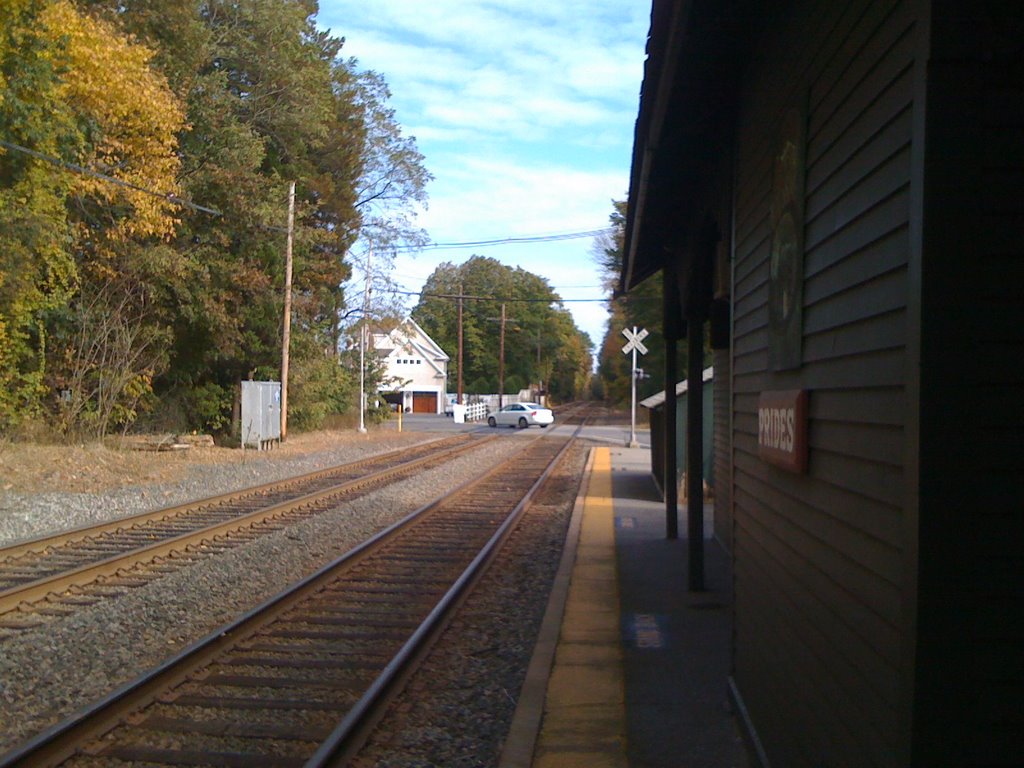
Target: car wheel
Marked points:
543	426
522	422
491	422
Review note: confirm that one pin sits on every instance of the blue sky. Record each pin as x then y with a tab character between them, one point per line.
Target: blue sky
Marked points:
524	111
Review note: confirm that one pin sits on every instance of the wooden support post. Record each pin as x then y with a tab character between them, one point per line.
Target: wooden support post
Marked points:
672	331
670	432
695	450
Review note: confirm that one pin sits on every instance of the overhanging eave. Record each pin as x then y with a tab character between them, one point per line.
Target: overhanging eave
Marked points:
695	53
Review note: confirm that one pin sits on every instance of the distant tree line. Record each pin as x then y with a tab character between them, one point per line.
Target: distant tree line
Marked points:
641	307
542	345
147	147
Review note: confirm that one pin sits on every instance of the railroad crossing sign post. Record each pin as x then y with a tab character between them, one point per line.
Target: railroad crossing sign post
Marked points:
634	344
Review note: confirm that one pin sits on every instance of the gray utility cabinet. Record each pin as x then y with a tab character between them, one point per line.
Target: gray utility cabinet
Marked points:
261	413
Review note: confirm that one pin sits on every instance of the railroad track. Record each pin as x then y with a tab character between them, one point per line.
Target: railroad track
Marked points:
296	681
55	575
575	413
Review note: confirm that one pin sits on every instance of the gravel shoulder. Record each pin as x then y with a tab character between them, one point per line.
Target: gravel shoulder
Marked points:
44	489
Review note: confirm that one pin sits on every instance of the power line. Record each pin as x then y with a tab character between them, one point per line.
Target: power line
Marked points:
425	295
169	197
175	200
507	240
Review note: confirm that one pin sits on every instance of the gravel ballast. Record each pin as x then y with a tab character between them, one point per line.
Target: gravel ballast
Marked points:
50	672
27	515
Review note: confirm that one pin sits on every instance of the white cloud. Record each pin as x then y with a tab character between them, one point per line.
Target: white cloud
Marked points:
500	68
524	111
498	197
428	64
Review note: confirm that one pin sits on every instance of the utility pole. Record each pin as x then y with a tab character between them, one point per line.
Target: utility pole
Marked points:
540	382
286	333
458	391
501	354
336	327
362	344
501	361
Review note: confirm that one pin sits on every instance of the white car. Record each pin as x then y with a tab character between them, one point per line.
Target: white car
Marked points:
522	415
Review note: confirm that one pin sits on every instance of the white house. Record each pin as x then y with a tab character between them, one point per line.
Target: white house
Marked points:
415	366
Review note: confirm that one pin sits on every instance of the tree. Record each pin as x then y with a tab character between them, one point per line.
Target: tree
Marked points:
390	186
641	307
112	355
79	92
135	119
542	343
221	103
37	271
270	99
393	179
119	344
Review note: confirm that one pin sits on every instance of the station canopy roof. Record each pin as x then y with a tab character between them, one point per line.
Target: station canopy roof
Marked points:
695	52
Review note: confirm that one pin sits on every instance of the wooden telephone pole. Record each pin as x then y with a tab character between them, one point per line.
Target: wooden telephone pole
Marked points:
362	342
501	361
286	332
458	390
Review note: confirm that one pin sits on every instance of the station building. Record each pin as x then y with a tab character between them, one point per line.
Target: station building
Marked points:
837	190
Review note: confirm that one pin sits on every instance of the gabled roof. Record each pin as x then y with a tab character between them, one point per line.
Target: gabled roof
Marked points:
427	343
408	336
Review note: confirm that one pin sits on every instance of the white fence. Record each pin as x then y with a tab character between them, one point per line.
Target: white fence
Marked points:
476	412
481	405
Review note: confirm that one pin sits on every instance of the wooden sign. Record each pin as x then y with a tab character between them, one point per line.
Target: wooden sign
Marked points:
782	429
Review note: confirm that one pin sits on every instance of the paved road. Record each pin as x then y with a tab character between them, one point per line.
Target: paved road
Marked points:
612	435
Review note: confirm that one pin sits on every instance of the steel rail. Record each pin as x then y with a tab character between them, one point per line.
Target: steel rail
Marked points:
42	543
339	745
59	742
14	597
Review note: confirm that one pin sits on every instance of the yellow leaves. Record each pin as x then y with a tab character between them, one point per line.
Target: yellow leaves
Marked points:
139	385
109	81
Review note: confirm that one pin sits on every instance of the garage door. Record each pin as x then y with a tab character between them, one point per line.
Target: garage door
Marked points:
424	402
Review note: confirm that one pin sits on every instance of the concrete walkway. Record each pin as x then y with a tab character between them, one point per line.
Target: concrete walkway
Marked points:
631	668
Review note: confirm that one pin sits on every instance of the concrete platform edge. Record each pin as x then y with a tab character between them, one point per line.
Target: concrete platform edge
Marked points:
525	727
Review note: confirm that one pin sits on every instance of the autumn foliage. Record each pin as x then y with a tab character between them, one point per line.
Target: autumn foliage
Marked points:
147	150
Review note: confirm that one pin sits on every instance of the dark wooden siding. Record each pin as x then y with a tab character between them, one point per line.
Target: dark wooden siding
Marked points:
970	677
819	558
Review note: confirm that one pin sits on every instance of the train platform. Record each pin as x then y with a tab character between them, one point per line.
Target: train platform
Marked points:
630	668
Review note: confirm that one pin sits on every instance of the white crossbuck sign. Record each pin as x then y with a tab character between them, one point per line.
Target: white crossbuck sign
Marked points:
635	340
634	343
